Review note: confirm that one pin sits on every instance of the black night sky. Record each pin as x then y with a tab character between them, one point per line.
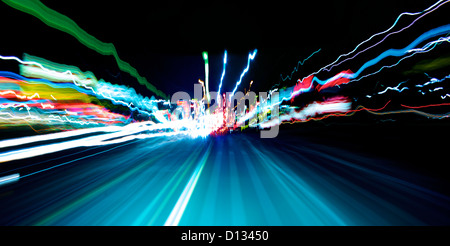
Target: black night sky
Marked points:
164	40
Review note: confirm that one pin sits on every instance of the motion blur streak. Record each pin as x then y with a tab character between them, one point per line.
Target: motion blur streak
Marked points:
126	133
391	52
53	136
9	179
36	67
180	206
298	65
426	106
251	56
65	24
78	150
424	13
223	75
283	186
337	104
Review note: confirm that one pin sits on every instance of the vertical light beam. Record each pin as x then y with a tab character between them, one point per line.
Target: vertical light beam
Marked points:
223	74
205	57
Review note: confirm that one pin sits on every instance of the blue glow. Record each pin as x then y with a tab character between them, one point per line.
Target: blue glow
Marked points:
391	52
251	56
223	74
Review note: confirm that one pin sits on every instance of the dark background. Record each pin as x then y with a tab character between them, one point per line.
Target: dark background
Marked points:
164	40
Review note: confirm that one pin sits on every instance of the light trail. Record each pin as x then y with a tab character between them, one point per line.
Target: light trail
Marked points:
9	179
63	23
251	56
178	210
424	13
205	58
396	88
338	104
432	81
92	87
172	184
426	106
347	76
126	133
298	65
391	52
223	75
203	125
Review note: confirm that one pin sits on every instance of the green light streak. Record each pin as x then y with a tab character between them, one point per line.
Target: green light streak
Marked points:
205	57
63	23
